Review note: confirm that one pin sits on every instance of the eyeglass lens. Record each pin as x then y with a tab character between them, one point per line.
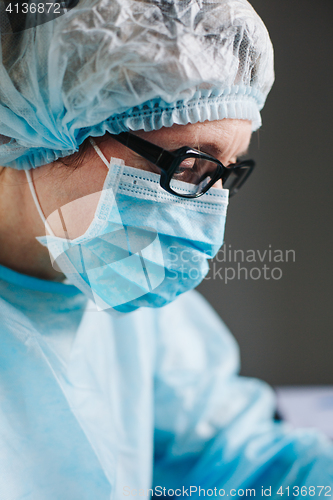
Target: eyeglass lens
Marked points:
192	175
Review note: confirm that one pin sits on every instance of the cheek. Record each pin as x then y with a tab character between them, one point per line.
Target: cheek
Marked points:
87	179
74	218
70	204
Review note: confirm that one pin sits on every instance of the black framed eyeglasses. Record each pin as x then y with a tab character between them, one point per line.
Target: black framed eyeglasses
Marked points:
187	172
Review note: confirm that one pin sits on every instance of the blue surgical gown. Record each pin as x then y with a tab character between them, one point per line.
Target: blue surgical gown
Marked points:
94	407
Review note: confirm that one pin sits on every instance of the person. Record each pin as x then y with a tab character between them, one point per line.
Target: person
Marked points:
122	127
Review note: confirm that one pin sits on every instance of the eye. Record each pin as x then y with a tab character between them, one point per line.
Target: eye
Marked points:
185	164
196	170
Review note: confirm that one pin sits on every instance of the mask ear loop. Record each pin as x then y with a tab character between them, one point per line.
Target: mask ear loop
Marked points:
36	201
115	168
99	152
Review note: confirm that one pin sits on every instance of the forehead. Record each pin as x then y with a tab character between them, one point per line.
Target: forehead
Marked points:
222	137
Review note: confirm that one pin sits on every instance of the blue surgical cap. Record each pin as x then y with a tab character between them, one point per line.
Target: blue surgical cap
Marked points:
115	65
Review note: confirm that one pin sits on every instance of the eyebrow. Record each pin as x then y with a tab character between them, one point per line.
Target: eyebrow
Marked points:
206	147
218	151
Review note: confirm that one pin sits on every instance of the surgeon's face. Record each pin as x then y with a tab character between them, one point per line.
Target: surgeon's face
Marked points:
226	140
57	185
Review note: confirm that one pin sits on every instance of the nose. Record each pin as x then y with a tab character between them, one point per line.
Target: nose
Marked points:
218	184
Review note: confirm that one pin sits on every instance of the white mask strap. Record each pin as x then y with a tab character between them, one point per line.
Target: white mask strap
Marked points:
99	152
36	201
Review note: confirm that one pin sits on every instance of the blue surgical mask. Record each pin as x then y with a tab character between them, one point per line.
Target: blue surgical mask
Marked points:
143	246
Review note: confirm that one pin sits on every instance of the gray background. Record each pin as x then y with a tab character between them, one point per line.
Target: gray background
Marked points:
284	327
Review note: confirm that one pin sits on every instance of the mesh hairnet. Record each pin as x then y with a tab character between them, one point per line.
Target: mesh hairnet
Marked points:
114	65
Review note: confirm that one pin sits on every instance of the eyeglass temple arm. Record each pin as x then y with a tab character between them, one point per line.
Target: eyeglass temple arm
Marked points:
146	149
